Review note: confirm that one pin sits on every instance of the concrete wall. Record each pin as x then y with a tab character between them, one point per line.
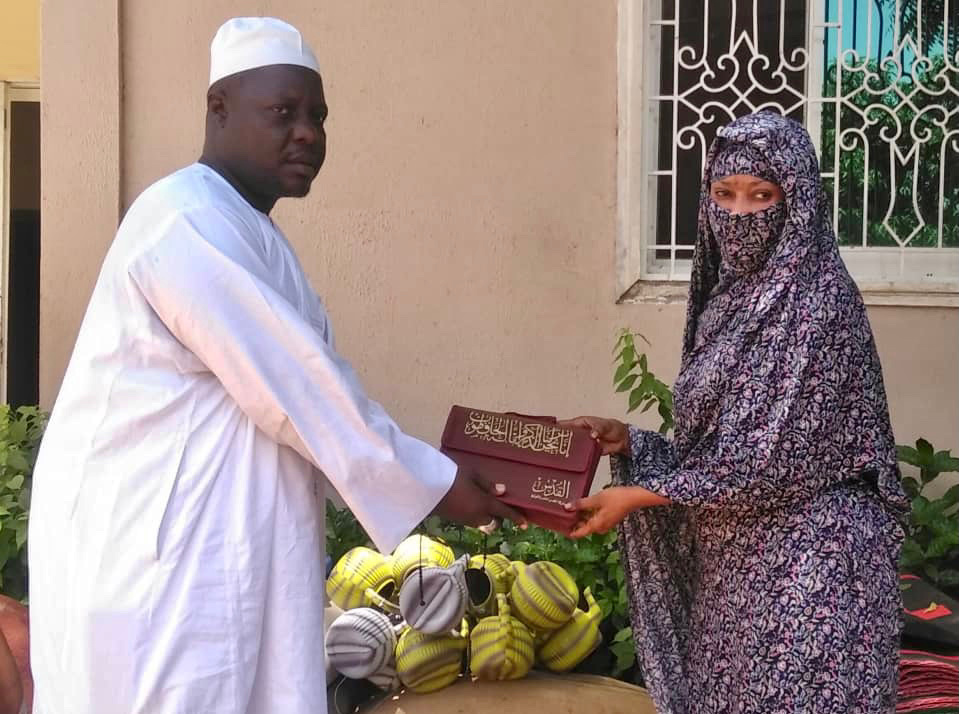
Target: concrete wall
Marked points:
19	40
463	229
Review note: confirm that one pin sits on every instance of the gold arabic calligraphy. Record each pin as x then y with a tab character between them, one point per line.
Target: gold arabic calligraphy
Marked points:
554	490
543	438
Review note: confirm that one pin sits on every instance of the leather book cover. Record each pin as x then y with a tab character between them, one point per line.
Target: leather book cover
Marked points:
542	464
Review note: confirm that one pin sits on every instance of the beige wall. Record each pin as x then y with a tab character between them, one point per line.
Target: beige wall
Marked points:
19	40
80	169
463	229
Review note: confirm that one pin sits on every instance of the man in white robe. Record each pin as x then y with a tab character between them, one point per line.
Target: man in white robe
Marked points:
177	528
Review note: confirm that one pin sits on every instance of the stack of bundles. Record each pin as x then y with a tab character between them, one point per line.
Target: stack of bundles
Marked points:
420	618
928	683
929	665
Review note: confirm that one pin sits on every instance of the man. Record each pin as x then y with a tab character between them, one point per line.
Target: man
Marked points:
176	539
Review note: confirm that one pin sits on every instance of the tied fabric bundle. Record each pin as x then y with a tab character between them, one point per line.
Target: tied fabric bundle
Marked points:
361	642
928	683
483	615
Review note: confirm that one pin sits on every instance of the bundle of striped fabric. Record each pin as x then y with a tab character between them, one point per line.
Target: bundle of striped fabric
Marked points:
928	683
421	619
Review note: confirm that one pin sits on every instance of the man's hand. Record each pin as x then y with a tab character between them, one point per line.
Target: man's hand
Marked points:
472	500
611	434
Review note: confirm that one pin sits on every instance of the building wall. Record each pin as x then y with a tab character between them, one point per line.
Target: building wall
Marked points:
19	40
462	232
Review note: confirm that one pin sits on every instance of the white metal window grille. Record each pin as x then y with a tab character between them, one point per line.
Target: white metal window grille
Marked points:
876	82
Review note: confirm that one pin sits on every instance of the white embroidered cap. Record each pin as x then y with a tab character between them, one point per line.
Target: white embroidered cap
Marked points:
244	43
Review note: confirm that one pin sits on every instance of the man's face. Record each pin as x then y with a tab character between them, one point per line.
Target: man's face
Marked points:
272	130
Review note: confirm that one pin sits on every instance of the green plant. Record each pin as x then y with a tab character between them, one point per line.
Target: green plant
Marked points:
20	433
343	531
645	389
931	547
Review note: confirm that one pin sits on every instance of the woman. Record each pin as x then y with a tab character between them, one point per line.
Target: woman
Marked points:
761	544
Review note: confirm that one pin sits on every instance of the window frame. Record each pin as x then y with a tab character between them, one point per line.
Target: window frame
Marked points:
638	278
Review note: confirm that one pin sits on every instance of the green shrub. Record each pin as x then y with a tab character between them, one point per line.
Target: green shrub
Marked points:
645	388
20	433
931	548
343	532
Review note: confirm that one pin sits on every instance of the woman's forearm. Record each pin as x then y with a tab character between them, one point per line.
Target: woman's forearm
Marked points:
638	497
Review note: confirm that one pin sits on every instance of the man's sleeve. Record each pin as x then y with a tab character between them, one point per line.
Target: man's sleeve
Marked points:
285	377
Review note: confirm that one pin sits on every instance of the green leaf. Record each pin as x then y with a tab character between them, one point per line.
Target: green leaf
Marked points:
623	370
926	512
912	555
926	452
941	545
627	383
624	635
16	482
636	398
948	577
17	461
619	346
646	383
910	486
21	530
927	475
951	496
908	455
625	655
920	506
18	432
945	462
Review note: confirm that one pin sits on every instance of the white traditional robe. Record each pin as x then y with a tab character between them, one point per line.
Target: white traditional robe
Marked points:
177	528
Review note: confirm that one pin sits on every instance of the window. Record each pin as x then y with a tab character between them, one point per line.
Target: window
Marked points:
876	83
20	233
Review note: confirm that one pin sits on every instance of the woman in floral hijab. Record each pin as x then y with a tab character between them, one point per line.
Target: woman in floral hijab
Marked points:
761	543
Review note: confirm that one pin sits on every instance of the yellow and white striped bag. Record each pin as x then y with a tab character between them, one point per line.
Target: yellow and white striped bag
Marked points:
359	570
427	663
544	596
501	647
417	551
566	647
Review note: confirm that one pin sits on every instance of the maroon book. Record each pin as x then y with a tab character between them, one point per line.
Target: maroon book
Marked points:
542	464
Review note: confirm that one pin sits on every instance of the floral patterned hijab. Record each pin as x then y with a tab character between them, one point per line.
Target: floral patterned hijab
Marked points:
780	391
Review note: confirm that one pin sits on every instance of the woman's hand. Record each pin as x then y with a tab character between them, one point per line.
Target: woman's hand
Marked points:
611	434
603	510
